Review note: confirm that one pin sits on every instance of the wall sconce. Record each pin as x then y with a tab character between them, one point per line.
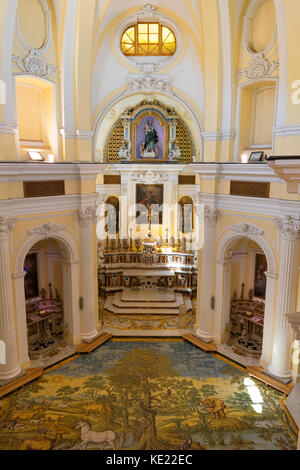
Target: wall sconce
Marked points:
35	156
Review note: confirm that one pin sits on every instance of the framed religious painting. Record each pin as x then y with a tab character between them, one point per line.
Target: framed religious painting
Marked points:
149	204
150	136
260	280
31	284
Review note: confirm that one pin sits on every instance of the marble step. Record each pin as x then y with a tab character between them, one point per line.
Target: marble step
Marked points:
209	347
29	376
110	307
86	348
257	373
119	302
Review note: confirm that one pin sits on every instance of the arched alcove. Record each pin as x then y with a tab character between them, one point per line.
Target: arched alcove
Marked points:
50	249
236	247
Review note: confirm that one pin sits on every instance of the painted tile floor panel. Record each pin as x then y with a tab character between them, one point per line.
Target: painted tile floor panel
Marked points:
145	395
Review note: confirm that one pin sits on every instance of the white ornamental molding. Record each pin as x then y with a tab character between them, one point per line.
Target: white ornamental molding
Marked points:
246	229
150	177
34	64
288	226
149	84
259	68
48	230
88	215
6	225
148	11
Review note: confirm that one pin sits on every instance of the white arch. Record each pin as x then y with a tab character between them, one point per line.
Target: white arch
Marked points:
61	236
70	286
233	236
223	282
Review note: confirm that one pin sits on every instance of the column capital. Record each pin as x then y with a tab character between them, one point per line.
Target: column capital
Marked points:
208	215
6	225
124	189
88	215
288	226
19	275
101	199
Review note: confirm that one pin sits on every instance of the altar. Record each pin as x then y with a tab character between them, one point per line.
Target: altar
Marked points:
146	278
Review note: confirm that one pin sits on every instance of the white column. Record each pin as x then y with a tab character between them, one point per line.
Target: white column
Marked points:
8	332
87	217
21	319
205	293
280	367
222	307
75	320
124	210
266	354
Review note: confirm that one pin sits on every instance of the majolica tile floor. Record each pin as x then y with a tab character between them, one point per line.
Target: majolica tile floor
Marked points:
145	394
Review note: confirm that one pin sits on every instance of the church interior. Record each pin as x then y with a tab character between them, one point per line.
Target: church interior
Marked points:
149	225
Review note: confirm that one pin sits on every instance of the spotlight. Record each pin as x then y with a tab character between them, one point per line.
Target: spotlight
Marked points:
35	156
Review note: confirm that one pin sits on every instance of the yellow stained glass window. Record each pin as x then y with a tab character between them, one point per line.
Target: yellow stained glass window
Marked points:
149	39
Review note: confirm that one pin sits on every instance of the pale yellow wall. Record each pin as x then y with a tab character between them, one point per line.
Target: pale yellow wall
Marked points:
30	112
264	25
30	13
12	190
263	116
36	115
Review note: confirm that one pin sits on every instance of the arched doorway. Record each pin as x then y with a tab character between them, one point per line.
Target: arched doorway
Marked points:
46	284
47	330
245	294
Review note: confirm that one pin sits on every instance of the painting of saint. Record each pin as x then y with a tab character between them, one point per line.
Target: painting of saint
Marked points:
150	139
260	281
151	197
31	276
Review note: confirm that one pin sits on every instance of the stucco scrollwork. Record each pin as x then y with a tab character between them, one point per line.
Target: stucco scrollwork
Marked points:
34	64
258	68
150	177
148	11
47	230
246	229
149	84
